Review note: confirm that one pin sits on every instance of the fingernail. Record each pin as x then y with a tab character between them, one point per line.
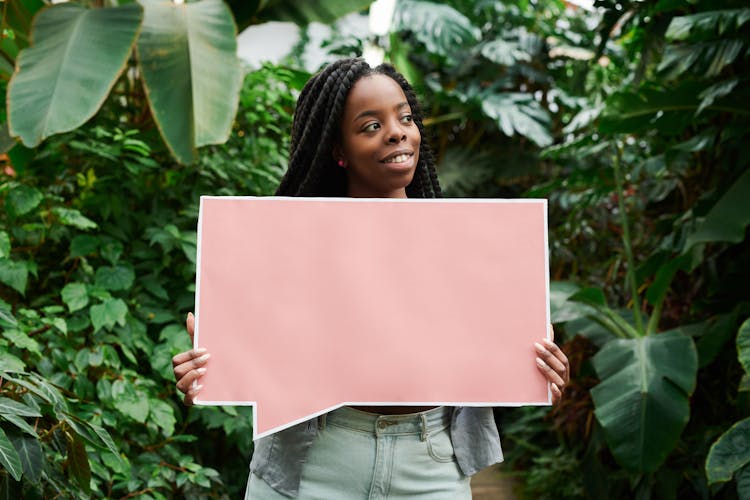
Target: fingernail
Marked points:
539	347
540	363
203	358
199	350
549	342
197	388
201	371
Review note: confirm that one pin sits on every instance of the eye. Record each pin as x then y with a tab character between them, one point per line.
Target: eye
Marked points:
407	119
371	127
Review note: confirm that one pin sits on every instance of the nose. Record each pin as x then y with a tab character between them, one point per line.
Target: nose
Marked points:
396	134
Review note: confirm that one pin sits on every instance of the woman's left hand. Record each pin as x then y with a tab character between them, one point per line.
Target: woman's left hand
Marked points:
553	363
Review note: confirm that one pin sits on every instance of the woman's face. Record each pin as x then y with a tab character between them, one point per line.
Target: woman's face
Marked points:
379	141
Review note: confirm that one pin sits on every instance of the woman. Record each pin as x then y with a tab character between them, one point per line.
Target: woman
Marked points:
358	132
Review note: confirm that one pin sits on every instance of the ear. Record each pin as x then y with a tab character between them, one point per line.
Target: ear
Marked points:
338	153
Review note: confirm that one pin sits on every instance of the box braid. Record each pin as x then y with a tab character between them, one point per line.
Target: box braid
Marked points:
312	169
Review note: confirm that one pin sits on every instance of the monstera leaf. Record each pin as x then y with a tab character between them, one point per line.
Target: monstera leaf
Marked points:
64	77
711	22
188	57
439	27
642	401
519	113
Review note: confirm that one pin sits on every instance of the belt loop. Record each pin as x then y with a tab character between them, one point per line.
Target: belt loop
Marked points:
322	422
425	433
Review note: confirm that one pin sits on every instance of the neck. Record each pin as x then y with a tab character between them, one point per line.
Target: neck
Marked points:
353	192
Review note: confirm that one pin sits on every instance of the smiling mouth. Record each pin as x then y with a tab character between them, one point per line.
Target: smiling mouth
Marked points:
399	158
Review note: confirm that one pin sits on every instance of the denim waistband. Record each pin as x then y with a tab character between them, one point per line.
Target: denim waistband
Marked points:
422	423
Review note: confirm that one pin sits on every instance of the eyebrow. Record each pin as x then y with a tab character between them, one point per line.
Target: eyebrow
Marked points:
397	107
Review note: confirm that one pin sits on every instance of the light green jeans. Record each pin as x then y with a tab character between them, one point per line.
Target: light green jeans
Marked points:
359	455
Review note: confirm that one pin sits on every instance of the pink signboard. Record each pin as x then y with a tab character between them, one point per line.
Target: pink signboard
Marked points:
309	304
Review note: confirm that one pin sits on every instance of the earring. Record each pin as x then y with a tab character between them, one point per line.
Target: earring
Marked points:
341	164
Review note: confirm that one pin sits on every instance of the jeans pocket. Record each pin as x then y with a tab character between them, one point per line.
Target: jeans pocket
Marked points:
440	447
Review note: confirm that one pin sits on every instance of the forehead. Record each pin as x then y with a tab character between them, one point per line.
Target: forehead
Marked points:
373	92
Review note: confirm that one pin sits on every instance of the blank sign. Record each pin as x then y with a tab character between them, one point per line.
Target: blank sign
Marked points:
309	304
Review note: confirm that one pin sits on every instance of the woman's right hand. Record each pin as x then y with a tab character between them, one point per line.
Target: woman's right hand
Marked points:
189	366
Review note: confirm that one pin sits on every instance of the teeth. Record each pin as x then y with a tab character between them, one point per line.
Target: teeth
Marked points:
397	159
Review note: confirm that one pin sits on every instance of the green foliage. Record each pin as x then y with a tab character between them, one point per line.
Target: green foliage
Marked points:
554	475
441	28
727	218
519	113
97	235
743	346
642	400
186	58
78	48
193	47
643	120
303	13
483	68
74	48
730	453
711	41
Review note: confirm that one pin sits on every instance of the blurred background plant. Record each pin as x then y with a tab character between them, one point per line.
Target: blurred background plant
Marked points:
630	117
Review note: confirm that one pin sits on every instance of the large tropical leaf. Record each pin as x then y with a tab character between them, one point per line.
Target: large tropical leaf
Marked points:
729	453
504	52
711	41
713	22
642	401
188	58
706	58
519	113
668	110
441	28
728	218
463	170
716	91
64	77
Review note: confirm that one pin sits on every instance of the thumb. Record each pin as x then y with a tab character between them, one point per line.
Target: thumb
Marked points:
190	325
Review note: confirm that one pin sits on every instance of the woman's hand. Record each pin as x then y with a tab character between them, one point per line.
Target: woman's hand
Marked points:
553	363
189	366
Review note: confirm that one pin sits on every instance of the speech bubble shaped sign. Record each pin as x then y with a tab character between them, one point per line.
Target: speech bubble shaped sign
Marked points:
309	304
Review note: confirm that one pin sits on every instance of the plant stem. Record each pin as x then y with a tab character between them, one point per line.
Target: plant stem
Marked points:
428	122
626	238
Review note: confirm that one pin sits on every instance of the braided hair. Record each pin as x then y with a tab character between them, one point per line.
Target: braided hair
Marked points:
312	169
